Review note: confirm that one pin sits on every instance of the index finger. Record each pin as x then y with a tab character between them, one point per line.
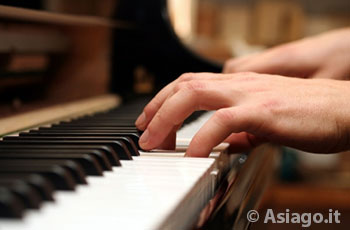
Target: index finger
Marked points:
154	105
199	95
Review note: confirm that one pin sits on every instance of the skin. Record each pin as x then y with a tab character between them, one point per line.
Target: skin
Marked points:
253	108
323	56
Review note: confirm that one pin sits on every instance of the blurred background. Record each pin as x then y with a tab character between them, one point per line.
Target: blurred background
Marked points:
226	28
217	29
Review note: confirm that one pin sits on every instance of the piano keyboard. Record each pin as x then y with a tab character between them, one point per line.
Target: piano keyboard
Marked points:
89	173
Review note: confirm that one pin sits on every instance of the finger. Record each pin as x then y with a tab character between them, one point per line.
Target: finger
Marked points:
240	142
154	105
220	126
279	60
232	64
329	72
266	63
192	96
170	141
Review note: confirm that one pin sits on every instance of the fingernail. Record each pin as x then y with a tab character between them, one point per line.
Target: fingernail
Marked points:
144	137
141	119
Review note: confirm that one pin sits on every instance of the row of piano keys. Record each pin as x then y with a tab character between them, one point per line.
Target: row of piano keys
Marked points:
36	163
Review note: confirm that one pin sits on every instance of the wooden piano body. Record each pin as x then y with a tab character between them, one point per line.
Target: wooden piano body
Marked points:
91	64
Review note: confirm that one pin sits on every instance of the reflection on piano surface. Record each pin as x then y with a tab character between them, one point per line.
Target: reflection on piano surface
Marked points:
78	165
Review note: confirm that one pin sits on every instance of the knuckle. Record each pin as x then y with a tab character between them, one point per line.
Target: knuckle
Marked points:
186	77
160	116
223	116
270	105
179	86
193	86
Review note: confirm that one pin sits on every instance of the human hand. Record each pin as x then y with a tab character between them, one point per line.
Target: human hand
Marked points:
323	56
308	114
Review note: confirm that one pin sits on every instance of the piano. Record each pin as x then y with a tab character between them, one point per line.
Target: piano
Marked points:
69	156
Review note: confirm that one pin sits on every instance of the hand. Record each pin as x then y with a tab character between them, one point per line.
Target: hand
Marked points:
312	115
323	56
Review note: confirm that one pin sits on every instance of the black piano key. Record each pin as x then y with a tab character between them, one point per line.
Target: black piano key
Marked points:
89	135
99	124
88	162
88	124
131	145
108	151
194	116
105	116
99	156
105	120
118	146
10	205
41	184
88	129
134	134
114	114
108	116
100	132
28	195
60	177
74	168
127	113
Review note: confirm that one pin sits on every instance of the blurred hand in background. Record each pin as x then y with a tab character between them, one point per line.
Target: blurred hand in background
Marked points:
323	56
